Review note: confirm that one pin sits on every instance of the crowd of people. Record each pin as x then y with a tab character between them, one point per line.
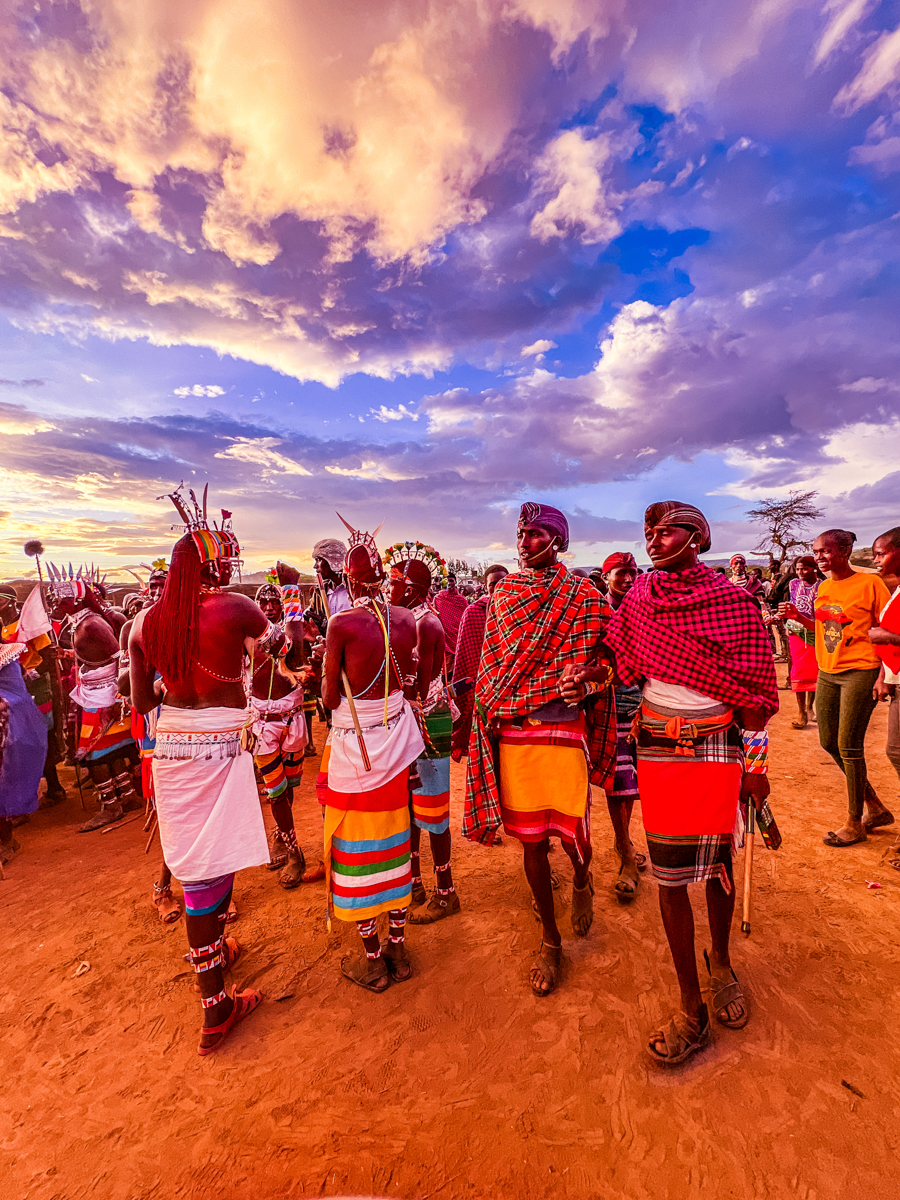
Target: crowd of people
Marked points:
193	702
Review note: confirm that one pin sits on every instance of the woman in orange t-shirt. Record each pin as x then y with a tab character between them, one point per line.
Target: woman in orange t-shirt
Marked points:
848	605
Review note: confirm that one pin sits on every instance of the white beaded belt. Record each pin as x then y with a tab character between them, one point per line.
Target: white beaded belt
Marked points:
197	745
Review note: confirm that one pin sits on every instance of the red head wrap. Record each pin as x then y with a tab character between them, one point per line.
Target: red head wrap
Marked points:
621	558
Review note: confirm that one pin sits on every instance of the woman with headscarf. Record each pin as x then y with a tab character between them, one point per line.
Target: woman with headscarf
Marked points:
698	647
847	606
804	668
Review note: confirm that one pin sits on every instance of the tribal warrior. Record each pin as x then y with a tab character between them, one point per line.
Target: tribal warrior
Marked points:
364	779
698	648
187	654
544	726
105	743
277	698
414	568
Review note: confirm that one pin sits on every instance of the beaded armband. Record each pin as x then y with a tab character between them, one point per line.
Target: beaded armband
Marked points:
270	637
756	751
292	600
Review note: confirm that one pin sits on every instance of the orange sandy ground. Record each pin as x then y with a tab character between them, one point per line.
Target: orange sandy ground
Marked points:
459	1083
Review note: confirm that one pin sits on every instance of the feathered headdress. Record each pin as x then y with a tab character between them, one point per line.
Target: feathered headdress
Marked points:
72	584
218	544
402	553
362	562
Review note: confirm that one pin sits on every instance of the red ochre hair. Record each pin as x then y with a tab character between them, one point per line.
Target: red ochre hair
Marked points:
172	625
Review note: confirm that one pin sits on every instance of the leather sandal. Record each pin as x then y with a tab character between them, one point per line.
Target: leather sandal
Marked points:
682	1037
244	1004
725	992
583	907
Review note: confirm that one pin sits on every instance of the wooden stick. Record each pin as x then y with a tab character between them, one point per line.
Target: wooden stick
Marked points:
346	682
151	837
119	824
748	867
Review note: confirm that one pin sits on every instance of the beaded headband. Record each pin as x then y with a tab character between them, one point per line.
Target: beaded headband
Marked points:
404	552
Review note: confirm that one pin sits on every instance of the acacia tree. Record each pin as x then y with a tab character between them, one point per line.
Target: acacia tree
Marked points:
785	526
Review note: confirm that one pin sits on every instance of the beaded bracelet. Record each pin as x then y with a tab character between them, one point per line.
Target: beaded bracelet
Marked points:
292	600
756	751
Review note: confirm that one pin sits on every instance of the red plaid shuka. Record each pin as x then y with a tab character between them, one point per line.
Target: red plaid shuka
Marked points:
695	629
538	623
450	608
465	667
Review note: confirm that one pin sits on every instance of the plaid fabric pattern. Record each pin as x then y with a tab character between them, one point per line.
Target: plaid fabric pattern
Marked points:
450	608
695	629
691	859
465	667
538	622
723	746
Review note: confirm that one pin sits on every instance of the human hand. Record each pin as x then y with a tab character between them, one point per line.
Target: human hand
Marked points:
882	691
286	574
879	636
571	684
788	610
756	788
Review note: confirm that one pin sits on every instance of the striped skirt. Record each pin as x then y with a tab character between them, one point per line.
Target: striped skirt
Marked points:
94	742
431	802
544	786
367	850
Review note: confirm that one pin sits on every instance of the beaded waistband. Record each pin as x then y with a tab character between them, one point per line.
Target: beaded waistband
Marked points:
175	745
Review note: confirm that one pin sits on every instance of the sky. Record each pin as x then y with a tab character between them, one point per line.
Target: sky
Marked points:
418	261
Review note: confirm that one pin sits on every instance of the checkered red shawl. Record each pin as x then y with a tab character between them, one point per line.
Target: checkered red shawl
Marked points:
465	666
696	629
450	608
538	622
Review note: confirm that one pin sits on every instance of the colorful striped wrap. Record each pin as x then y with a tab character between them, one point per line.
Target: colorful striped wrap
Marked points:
431	802
544	785
102	732
367	829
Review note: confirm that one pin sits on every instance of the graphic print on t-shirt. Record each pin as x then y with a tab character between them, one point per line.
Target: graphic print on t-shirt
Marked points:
834	622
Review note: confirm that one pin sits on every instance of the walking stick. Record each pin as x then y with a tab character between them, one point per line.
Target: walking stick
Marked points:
748	866
346	682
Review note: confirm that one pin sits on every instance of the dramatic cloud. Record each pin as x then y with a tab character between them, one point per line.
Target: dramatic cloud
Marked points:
625	240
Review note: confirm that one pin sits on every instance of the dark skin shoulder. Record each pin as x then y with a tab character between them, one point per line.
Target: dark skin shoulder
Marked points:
355	642
125	676
94	641
227	619
430	644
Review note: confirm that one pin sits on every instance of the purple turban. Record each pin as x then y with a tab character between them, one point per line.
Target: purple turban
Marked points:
548	518
676	512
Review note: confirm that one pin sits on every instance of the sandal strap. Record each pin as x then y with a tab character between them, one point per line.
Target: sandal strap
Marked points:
726	993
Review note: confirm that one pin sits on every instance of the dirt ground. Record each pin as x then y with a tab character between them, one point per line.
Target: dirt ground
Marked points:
459	1083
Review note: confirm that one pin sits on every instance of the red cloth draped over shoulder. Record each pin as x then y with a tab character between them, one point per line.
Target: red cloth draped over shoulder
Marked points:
465	666
696	629
450	608
538	623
